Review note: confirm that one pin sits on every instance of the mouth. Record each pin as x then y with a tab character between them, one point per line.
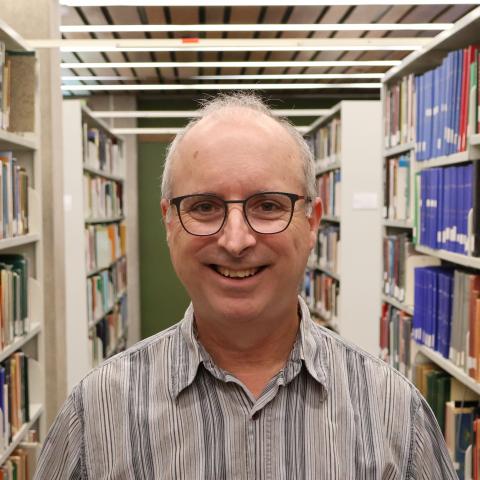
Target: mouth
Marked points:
237	274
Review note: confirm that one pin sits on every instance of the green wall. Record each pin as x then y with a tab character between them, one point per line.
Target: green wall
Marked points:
162	297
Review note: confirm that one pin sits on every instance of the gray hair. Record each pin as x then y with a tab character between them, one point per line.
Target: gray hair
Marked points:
251	102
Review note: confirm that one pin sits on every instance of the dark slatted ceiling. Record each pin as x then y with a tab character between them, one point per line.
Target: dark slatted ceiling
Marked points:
244	15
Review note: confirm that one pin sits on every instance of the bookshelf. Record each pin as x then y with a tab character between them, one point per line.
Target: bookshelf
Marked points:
21	236
95	245
440	216
348	152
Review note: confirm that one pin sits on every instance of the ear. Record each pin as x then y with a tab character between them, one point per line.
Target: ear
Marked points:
314	219
166	215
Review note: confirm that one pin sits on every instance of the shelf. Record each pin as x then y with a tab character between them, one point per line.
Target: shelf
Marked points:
330	218
110	310
92	221
103	174
405	147
474	140
98	270
15	141
327	166
466	261
35	412
19	342
449	367
406	224
18	241
333	112
448	160
399	305
336	276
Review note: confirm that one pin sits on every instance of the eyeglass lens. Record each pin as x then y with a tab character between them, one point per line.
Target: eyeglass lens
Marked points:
265	212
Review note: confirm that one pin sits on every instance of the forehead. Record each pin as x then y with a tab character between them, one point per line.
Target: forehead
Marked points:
245	149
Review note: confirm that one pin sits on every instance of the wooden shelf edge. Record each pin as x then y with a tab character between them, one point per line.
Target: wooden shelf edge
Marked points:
17	141
449	367
402	148
36	410
397	224
101	173
19	342
110	265
459	259
93	221
399	305
18	241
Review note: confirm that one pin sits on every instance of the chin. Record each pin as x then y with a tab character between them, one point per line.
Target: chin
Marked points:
238	310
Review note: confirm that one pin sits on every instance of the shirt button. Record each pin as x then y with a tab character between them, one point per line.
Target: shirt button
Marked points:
256	416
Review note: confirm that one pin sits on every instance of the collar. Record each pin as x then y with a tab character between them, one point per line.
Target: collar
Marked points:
187	353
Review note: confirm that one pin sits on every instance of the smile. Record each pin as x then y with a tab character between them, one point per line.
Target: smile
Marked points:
237	274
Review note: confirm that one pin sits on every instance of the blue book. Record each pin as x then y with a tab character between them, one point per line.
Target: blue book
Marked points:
454	209
440	207
429	106
417	321
468	203
458	96
450	104
423	207
464	437
418	117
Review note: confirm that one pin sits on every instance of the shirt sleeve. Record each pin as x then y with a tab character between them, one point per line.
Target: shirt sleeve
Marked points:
60	457
429	457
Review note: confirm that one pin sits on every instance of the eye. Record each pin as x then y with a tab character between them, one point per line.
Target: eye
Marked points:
205	207
268	206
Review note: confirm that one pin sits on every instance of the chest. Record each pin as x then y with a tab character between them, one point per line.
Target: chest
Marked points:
215	432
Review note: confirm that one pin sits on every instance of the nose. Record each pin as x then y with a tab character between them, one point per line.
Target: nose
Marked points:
236	236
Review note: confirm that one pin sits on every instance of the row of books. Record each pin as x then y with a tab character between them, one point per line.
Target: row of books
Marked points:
102	198
322	294
329	189
447	315
458	415
457	419
104	289
397	188
327	141
399	112
108	336
104	243
446	105
395	339
449	207
101	151
400	259
327	248
21	464
13	297
5	87
14	396
14	185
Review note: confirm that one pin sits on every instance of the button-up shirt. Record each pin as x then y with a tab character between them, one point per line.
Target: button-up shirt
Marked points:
164	410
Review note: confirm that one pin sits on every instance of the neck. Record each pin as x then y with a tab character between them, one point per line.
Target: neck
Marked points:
255	351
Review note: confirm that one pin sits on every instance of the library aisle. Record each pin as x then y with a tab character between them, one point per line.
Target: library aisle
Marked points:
92	92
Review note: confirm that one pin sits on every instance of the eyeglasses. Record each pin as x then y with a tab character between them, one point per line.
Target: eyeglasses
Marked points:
265	213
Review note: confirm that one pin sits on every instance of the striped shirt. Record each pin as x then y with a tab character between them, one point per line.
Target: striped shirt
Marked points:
164	410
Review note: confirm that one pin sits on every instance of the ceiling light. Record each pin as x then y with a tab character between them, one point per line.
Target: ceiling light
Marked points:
91	78
223	3
310	112
255	27
299	76
231	44
285	64
224	86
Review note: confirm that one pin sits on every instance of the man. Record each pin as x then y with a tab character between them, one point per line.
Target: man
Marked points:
246	386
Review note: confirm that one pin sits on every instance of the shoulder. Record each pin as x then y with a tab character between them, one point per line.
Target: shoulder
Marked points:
153	353
348	363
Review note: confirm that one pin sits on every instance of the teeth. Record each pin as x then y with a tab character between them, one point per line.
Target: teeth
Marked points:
226	272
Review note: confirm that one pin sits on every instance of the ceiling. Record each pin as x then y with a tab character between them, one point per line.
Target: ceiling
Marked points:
254	15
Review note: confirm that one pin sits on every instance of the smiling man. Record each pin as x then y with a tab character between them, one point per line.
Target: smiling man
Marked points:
246	386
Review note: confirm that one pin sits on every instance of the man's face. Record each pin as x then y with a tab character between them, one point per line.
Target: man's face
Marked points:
234	157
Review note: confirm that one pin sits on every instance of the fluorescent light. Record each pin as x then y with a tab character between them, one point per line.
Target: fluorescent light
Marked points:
309	112
224	86
89	78
299	76
166	131
255	27
231	44
286	64
222	3
272	48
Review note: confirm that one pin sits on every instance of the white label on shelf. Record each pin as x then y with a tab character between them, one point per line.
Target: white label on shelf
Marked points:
67	203
365	201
